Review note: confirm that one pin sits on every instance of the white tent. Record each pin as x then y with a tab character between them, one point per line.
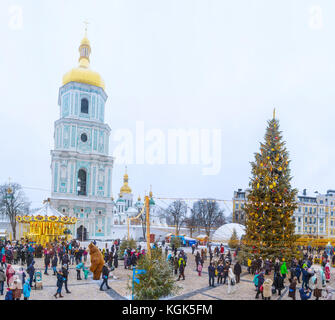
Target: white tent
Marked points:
225	232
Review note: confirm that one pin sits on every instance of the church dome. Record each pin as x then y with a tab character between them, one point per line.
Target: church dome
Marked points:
131	211
125	188
83	73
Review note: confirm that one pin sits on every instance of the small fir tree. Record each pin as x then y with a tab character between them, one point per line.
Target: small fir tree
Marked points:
158	281
234	241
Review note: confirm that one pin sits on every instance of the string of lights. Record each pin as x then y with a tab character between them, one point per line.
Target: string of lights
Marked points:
225	201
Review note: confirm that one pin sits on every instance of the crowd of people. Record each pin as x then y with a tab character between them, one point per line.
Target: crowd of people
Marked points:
313	269
56	255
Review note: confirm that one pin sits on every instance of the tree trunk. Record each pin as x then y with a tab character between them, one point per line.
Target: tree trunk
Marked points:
13	224
208	231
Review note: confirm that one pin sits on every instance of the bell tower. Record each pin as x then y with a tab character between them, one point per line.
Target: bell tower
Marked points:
81	167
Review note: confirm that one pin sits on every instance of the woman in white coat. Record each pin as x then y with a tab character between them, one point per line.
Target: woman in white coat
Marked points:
231	281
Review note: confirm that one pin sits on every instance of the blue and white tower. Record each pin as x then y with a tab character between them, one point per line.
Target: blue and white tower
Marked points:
80	165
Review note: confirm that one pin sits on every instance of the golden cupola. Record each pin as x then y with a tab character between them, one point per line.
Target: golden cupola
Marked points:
83	73
125	188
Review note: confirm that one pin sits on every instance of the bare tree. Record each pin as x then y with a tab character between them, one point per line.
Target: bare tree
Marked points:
192	222
13	202
176	214
208	214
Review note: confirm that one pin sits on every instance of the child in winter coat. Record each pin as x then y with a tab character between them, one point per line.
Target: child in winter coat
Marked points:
255	280
267	289
78	267
9	294
86	271
199	269
26	290
59	284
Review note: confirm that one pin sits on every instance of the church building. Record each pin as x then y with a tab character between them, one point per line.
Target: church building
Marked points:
80	163
81	167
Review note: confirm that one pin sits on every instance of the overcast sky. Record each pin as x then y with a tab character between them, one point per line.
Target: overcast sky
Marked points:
189	64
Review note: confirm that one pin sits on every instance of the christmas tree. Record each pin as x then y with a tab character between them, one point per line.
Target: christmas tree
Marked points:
271	202
158	281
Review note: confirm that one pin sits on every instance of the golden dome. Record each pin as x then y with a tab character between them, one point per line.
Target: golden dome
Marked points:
83	73
125	188
85	41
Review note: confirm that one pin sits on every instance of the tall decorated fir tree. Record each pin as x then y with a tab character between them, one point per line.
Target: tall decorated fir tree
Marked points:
271	202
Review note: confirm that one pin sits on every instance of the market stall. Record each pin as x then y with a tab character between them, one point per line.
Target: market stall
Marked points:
202	238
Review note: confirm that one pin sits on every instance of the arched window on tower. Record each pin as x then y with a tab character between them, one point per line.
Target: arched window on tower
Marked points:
84	105
81	183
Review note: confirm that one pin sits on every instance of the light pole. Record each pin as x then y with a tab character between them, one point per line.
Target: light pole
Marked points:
147	207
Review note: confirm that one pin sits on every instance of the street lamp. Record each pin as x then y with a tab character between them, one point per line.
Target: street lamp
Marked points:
317	216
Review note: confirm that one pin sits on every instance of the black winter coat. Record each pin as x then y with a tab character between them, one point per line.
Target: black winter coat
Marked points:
220	270
278	282
105	272
116	262
276	267
60	280
211	271
65	272
47	260
260	280
237	269
54	261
